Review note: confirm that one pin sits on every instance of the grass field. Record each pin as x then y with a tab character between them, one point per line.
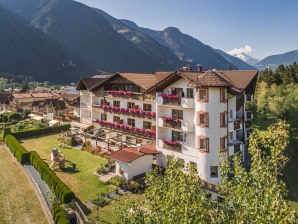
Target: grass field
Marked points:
18	201
78	173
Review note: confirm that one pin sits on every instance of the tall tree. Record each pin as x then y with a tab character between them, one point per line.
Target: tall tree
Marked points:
257	195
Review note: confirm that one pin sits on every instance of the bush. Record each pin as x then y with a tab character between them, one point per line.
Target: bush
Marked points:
117	181
59	215
73	141
19	152
42	131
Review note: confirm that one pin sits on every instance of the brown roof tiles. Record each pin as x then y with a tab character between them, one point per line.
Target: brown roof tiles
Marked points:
130	154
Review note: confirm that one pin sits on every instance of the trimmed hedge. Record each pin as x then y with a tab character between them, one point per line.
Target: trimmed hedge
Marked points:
62	192
42	131
59	215
21	154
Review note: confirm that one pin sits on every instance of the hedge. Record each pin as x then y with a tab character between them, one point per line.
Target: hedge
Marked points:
59	215
19	152
42	131
62	191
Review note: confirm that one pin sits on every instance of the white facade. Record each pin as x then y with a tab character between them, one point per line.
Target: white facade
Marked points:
141	165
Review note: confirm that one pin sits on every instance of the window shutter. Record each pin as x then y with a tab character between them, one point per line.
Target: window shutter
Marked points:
207	119
207	95
207	144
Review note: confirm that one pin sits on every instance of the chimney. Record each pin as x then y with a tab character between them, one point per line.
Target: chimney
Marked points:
139	147
199	68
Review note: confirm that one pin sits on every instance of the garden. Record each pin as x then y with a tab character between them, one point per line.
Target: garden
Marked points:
81	171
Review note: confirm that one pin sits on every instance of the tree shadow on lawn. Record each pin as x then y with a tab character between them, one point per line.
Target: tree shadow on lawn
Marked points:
70	167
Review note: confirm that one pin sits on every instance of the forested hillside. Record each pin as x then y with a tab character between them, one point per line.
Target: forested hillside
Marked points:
277	98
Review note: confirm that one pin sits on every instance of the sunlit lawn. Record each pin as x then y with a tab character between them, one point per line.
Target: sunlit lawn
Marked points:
78	170
82	182
18	201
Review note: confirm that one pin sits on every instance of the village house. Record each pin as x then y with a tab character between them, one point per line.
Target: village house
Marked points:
192	115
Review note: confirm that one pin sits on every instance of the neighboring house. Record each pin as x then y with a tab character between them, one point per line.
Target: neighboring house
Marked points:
133	162
5	97
192	115
24	101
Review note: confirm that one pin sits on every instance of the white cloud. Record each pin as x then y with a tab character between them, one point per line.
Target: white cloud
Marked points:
236	51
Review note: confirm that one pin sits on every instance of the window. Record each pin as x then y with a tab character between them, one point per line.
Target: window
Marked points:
130	104
131	122
189	92
104	102
103	117
202	119
147	107
223	143
203	144
176	135
147	125
222	121
177	114
202	95
116	103
214	171
116	118
223	95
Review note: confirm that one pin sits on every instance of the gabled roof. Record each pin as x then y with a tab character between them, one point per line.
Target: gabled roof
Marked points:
129	154
88	83
144	80
237	80
240	79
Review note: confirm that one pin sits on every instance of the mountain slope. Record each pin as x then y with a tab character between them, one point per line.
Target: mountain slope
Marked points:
240	64
141	40
89	36
186	48
275	60
27	51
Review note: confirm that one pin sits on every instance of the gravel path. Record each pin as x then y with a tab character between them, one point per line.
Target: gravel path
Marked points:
44	188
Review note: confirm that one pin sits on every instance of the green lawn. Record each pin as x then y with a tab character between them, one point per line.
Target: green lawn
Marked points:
79	166
82	182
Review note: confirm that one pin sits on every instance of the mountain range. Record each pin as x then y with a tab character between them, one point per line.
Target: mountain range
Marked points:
62	40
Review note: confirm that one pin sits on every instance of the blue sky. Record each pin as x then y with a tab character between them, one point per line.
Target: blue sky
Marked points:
265	27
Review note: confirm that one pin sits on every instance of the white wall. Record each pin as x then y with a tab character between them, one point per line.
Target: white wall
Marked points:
136	167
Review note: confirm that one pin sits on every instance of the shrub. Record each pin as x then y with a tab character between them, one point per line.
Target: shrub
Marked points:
117	181
42	131
59	215
73	141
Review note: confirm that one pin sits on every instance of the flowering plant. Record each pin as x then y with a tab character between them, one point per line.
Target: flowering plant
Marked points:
169	142
169	119
169	96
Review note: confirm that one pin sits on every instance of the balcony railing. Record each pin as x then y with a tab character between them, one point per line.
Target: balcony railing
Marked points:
123	94
169	122
128	111
210	186
175	100
127	129
174	145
